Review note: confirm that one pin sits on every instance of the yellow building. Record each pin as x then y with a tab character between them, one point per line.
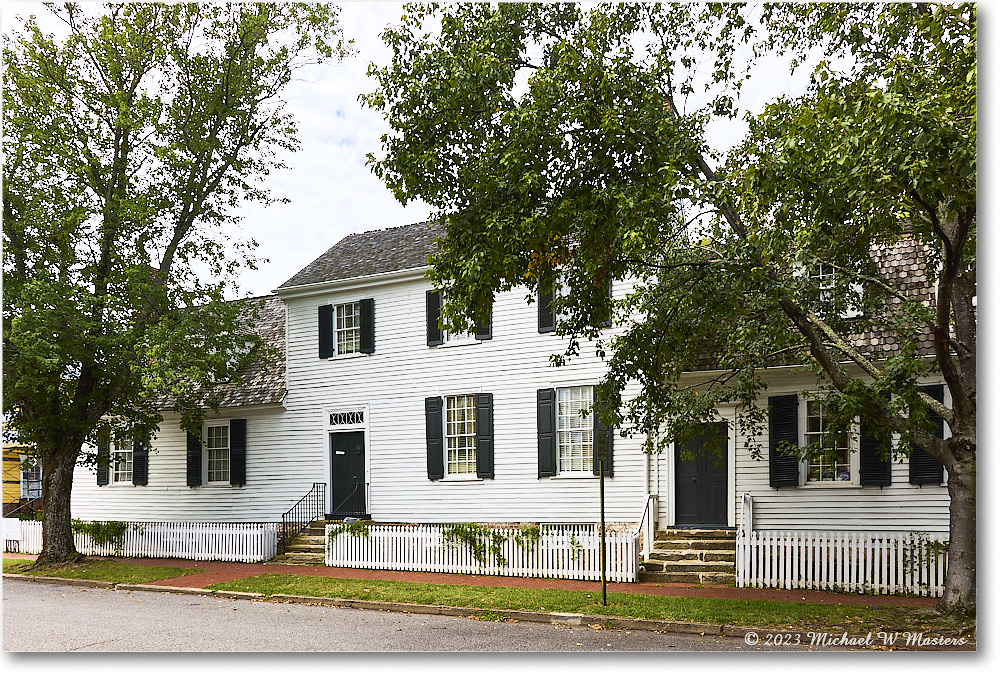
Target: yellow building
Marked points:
19	486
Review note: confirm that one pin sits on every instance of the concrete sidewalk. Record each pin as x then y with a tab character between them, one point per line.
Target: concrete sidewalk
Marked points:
218	572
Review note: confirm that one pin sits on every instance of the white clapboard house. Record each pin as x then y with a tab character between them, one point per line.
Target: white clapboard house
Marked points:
406	423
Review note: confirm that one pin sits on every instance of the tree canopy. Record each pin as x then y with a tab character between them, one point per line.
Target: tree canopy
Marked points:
563	147
131	138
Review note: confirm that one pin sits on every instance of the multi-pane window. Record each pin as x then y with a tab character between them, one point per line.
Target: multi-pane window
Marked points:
833	464
31	481
121	461
460	433
217	444
574	432
348	328
823	275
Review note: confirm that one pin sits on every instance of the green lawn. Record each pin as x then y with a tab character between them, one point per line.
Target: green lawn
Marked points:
102	570
781	615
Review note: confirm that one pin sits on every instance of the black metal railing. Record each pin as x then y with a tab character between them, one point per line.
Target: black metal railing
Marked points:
354	504
311	507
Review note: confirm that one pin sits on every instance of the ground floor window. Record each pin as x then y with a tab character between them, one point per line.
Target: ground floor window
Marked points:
217	445
833	465
574	432
121	461
460	434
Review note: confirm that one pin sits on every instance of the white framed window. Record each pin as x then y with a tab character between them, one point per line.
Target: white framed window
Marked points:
837	464
31	479
347	328
574	432
217	452
460	434
121	460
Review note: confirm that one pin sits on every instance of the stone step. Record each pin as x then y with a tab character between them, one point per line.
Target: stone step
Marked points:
689	566
295	547
693	533
715	556
299	558
688	577
694	545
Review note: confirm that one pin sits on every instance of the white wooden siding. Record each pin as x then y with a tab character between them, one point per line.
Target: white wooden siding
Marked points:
393	383
899	507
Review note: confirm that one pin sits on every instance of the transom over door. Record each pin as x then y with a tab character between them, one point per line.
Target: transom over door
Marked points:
701	484
347	462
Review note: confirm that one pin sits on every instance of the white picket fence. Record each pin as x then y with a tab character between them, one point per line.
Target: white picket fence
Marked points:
226	542
563	552
865	562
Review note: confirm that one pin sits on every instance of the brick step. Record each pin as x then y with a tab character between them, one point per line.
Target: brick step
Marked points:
694	544
688	577
689	566
714	556
685	533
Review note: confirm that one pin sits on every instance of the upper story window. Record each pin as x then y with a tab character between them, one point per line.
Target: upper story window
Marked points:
549	318
217	455
834	464
438	335
574	432
348	328
460	434
823	275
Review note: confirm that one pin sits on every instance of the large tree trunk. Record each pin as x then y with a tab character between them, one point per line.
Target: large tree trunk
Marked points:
57	486
960	584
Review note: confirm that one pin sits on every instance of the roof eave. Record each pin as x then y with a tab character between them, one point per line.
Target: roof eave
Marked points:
350	283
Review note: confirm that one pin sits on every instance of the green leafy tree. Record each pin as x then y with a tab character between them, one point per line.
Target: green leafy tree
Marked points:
130	140
563	147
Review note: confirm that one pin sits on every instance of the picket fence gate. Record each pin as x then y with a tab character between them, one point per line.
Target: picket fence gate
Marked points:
226	542
563	552
864	562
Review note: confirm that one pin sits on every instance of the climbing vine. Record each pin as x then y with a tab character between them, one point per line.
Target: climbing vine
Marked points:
484	542
358	528
102	533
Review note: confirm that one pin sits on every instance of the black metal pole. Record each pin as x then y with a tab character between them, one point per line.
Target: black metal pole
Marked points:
604	557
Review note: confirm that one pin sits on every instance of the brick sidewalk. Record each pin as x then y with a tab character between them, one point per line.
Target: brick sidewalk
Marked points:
218	572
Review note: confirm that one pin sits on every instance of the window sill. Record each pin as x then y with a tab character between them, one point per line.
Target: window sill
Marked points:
828	485
575	475
342	357
458	343
462	478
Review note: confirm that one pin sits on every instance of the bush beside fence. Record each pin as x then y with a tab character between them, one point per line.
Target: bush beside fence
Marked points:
226	542
558	552
865	562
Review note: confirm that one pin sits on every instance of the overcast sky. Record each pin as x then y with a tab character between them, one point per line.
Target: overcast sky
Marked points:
331	191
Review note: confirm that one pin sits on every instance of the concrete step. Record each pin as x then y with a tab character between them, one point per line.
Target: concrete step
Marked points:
688	566
694	544
692	555
688	577
693	533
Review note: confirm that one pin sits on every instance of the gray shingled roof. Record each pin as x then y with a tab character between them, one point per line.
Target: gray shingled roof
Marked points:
375	252
262	380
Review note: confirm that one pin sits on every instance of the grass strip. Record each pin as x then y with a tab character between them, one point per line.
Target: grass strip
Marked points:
114	571
763	613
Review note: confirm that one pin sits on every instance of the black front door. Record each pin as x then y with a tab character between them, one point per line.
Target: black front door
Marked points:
701	484
347	452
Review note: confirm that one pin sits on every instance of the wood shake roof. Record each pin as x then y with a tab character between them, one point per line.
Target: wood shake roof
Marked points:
375	252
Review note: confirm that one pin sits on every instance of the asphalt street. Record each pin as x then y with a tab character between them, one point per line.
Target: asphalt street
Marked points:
51	617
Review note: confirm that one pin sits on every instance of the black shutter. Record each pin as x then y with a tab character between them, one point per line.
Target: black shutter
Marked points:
783	469
435	438
924	469
546	432
484	435
140	462
607	322
434	336
876	468
103	458
325	331
367	326
485	332
237	452
608	435
193	460
546	317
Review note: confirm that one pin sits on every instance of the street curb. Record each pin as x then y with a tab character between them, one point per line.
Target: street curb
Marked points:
555	618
